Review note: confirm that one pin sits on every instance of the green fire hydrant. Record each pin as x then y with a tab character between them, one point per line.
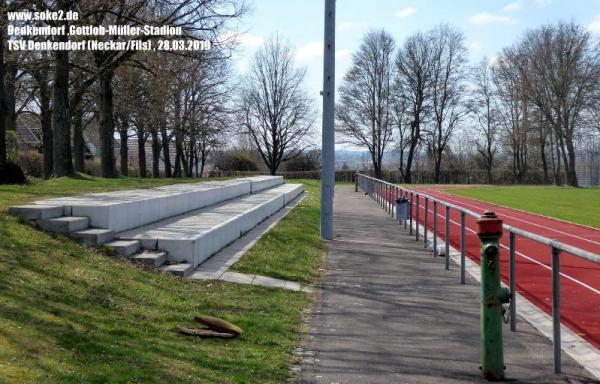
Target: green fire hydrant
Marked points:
489	230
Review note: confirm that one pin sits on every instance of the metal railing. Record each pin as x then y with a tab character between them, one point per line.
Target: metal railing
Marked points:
382	192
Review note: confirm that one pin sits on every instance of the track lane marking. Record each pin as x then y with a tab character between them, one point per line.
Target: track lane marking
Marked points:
596	291
515	218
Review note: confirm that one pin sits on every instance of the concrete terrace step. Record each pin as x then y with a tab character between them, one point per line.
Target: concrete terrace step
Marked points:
93	236
193	237
123	210
154	259
124	247
181	269
36	211
65	224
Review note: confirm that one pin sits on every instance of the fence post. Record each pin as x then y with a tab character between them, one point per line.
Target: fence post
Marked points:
426	220
512	279
447	238
556	308
462	247
435	251
410	217
417	219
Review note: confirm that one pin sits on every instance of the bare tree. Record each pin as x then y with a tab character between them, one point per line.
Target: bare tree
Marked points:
485	113
512	107
561	70
413	82
275	110
3	106
448	73
61	125
364	111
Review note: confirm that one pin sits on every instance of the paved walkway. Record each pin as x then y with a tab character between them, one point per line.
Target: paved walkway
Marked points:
388	312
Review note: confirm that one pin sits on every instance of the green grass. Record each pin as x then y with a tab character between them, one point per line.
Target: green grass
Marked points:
293	250
70	314
577	205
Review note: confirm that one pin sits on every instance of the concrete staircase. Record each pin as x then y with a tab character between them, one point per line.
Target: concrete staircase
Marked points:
173	228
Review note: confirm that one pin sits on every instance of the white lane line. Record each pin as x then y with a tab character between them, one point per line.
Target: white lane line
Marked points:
525	221
596	291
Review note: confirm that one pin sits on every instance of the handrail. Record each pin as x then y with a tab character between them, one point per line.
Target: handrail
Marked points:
374	190
595	258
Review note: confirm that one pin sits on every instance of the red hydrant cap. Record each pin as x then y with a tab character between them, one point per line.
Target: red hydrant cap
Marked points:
489	224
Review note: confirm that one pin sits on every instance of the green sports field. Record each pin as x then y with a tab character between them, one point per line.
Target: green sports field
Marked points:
577	205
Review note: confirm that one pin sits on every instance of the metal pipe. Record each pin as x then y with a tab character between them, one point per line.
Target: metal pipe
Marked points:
447	238
556	308
417	219
409	210
434	232
462	247
512	278
426	220
410	216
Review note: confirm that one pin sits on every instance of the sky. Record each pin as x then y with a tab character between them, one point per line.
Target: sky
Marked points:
488	26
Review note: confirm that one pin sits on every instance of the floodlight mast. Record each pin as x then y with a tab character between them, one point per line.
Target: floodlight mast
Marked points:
328	129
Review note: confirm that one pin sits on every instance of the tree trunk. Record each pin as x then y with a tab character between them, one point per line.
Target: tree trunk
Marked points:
10	79
61	126
409	161
141	152
107	124
165	148
2	103
124	150
178	156
46	124
155	153
571	172
78	142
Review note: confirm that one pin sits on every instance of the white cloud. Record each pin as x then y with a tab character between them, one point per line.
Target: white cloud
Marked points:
512	7
485	18
594	27
310	50
352	26
342	54
406	12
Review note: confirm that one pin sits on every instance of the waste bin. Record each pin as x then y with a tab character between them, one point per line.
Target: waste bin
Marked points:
402	211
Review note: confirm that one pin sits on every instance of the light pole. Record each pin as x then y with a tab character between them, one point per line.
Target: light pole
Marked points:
328	129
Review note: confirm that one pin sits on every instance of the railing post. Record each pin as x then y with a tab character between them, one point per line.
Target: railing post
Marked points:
426	222
417	213
410	217
556	308
389	199
462	247
447	238
435	251
405	194
512	279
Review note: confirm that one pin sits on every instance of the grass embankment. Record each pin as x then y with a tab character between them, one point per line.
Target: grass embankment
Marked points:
577	205
293	250
69	314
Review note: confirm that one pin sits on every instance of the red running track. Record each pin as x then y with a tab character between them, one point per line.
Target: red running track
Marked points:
580	278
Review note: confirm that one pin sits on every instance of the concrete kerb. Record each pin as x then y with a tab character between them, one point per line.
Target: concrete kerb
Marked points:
576	347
